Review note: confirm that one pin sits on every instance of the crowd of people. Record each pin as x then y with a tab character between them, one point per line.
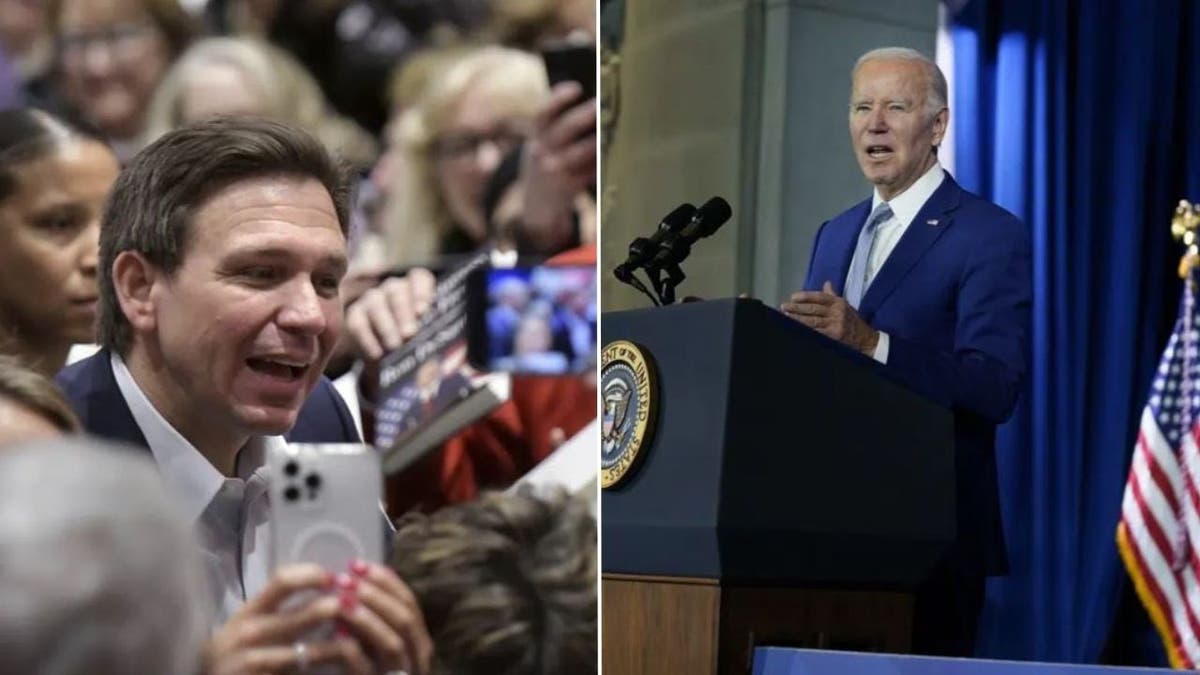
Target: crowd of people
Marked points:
237	200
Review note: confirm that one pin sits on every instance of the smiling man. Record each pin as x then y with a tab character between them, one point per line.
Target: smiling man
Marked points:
934	282
222	248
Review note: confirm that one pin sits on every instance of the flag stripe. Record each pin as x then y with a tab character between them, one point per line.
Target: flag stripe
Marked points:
1169	535
1150	496
1163	455
1191	604
1153	521
1151	596
1168	585
1165	550
1168	487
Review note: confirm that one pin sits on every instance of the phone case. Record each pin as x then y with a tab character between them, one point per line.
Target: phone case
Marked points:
572	62
325	503
491	341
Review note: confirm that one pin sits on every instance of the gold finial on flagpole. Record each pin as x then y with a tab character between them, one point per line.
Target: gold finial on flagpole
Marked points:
1183	228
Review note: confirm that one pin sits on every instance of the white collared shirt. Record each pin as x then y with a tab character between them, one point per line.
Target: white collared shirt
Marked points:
905	207
231	514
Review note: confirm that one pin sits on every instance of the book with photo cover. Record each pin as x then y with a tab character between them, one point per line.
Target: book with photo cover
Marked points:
427	390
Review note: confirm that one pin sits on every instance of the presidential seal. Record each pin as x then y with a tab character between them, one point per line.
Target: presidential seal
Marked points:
629	391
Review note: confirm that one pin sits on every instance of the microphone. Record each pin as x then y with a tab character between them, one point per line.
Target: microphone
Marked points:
706	220
642	249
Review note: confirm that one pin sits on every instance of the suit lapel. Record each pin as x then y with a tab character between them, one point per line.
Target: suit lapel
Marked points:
931	221
107	415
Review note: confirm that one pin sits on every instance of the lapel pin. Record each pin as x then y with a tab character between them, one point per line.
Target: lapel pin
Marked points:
933	222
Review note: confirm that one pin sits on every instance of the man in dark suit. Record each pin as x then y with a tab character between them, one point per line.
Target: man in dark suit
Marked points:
222	249
92	391
934	282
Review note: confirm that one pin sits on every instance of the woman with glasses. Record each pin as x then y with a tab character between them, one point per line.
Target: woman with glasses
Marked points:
54	178
458	180
476	106
110	57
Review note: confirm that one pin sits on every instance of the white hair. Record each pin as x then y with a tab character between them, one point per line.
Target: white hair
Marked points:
286	91
937	97
98	573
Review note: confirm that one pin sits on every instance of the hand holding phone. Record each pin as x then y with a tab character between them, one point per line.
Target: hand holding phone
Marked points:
262	632
572	62
327	516
558	165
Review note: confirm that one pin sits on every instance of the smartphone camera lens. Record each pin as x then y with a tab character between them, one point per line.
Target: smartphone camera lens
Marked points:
291	468
292	493
313	481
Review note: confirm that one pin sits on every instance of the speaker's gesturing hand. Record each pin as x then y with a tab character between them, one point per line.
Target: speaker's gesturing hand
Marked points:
829	314
261	637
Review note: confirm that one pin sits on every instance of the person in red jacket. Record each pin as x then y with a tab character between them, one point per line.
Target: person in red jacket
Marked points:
539	201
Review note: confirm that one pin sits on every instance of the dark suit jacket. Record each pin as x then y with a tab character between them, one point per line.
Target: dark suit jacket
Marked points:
92	391
954	298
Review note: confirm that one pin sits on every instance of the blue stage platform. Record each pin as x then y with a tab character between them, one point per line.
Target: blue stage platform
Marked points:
779	661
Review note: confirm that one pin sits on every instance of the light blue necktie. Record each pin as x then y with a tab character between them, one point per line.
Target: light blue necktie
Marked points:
856	280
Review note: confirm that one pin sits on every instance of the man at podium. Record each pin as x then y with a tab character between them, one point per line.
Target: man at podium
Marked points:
935	283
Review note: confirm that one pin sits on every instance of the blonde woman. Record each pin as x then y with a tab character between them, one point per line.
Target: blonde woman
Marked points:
476	107
243	75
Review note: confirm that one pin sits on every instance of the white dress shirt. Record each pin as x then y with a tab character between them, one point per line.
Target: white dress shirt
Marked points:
231	514
905	207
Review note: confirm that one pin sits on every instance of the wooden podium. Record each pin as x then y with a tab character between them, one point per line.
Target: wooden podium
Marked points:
793	495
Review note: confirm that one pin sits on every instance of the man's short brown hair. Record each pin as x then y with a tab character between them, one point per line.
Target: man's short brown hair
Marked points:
152	205
33	391
507	584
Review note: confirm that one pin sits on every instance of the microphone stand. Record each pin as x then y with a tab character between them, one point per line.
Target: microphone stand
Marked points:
670	255
626	276
665	287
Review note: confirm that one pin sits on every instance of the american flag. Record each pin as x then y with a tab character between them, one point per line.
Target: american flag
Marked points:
1160	513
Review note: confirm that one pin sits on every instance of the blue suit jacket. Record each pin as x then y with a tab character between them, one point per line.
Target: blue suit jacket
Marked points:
92	391
954	298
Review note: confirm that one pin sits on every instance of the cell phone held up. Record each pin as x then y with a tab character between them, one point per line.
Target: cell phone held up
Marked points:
572	62
538	320
325	502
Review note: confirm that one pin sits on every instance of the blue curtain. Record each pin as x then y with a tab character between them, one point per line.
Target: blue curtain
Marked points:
1081	118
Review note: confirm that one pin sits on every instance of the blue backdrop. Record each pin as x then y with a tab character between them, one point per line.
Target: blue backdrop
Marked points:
1078	117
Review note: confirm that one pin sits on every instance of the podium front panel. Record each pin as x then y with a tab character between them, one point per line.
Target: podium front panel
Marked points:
779	457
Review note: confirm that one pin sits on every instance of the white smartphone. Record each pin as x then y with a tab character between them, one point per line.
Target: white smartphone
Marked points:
325	503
